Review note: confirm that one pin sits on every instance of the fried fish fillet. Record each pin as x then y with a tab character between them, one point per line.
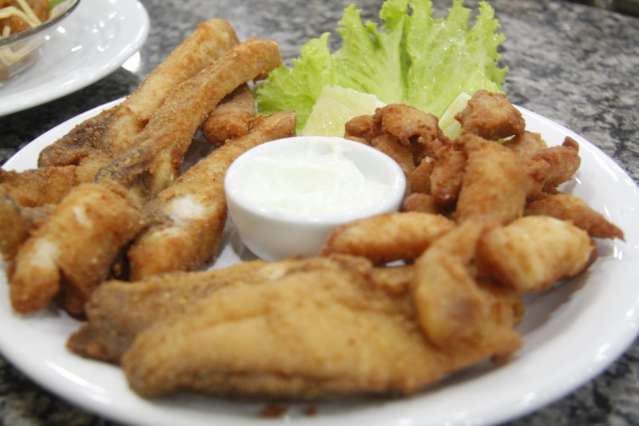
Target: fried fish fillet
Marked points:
447	175
491	116
533	252
316	332
410	125
75	247
37	187
494	185
388	237
231	119
14	228
419	178
526	144
453	308
191	213
575	210
418	202
158	150
548	168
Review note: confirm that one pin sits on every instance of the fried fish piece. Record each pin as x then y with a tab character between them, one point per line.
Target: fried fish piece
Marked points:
453	307
231	119
361	128
494	185
573	209
550	167
278	339
533	252
388	237
419	179
418	202
190	214
158	150
116	132
14	228
75	247
447	175
409	125
491	116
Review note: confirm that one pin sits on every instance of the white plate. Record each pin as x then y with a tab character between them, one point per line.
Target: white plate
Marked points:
92	42
571	334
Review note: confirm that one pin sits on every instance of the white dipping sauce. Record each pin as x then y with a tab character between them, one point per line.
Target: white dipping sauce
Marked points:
308	182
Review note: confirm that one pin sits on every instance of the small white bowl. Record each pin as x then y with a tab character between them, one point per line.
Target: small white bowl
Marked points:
274	235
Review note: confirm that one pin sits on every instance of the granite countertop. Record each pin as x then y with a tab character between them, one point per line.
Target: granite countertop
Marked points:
572	63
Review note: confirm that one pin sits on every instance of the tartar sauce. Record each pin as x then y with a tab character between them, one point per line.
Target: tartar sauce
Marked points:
308	183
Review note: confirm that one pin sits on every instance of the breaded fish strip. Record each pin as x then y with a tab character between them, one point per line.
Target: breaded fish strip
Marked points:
495	184
346	336
533	252
158	150
573	209
491	116
191	213
361	128
419	179
390	146
208	42
14	228
453	308
231	119
37	187
117	311
75	247
388	237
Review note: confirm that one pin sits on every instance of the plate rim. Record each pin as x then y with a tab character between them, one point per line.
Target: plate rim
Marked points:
556	387
15	103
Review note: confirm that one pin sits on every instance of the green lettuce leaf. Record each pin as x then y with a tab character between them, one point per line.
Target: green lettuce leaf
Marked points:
413	58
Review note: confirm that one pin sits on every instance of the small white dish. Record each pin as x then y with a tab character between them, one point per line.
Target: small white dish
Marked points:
90	43
571	333
274	233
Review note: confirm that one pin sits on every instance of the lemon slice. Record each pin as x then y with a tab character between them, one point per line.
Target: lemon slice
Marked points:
447	122
334	107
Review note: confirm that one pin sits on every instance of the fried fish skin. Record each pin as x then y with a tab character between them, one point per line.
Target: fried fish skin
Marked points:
494	185
191	213
232	118
347	336
388	237
533	252
573	209
453	308
158	150
118	311
75	246
491	116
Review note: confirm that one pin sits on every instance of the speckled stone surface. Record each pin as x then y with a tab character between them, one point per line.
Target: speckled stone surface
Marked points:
574	64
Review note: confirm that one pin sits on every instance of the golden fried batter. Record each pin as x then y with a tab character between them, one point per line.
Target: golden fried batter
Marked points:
491	116
37	187
550	167
232	119
573	209
419	179
526	144
418	202
388	237
494	185
447	175
533	252
390	146
191	213
361	128
409	124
